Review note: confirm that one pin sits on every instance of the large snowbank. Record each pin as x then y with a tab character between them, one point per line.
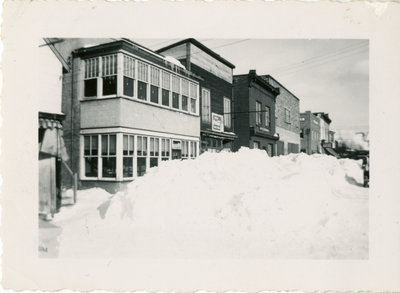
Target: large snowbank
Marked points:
228	205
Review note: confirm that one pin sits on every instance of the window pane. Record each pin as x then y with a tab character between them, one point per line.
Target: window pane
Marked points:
113	144
131	145
109	167
104	144
125	145
128	167
151	146
91	87
175	100
87	146
184	103
91	167
193	105
139	145
153	162
128	86
141	166
144	146
95	145
166	77
154	94
156	146
109	85
165	97
167	147
142	90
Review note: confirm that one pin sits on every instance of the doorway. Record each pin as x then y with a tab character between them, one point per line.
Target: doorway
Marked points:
176	154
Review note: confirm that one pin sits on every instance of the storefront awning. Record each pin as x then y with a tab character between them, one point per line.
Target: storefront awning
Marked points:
52	142
220	135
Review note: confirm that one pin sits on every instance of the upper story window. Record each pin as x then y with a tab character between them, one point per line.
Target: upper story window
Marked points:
166	86
109	75
155	84
258	113
143	78
176	89
91	75
227	112
205	105
287	115
129	76
185	95
267	117
193	92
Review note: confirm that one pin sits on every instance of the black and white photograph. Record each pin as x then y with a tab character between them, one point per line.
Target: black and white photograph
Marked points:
214	148
200	146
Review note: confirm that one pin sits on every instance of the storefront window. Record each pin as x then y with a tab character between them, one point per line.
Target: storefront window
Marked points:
108	154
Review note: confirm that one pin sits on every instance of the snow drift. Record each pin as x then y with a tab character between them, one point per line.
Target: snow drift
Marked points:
227	205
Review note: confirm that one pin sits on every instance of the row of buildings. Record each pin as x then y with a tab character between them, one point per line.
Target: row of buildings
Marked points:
125	108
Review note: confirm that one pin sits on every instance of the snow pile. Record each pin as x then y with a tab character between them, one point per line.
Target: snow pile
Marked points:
174	61
232	205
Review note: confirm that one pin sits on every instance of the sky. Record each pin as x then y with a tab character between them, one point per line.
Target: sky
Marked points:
328	76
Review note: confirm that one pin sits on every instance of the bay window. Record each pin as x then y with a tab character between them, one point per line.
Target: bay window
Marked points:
193	97
90	154
185	149
91	76
143	69
128	155
109	155
109	74
165	145
166	86
154	151
129	76
176	89
155	84
141	155
185	94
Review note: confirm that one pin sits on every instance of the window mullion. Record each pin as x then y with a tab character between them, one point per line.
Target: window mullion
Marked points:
99	157
120	74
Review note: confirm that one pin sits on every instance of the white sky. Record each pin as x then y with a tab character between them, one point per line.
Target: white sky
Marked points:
326	75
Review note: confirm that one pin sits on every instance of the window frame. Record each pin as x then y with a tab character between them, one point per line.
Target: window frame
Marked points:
205	107
267	121
227	112
258	113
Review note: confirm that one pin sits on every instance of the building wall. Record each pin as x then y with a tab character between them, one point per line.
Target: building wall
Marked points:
219	89
120	112
289	132
309	123
241	108
257	93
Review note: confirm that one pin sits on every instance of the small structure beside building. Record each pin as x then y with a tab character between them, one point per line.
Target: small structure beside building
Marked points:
254	112
127	108
287	118
216	73
325	121
310	133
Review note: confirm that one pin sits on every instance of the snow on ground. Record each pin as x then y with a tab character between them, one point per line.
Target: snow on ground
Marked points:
226	205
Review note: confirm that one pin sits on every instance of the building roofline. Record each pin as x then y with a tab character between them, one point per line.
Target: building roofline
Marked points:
201	46
270	76
252	75
120	43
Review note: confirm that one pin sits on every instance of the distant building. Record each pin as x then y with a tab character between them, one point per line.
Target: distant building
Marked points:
127	108
216	76
310	133
287	118
254	112
325	121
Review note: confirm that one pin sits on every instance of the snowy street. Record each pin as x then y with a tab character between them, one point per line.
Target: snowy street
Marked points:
226	205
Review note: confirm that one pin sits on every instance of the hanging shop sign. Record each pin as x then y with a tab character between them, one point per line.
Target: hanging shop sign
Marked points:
217	122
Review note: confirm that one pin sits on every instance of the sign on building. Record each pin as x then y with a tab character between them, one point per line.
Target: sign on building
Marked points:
217	123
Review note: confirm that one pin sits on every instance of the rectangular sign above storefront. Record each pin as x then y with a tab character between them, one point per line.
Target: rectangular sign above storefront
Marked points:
217	123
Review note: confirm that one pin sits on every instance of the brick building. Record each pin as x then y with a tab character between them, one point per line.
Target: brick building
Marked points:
216	77
254	112
310	133
127	108
287	114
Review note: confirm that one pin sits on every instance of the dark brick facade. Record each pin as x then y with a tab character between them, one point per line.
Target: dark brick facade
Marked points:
249	89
